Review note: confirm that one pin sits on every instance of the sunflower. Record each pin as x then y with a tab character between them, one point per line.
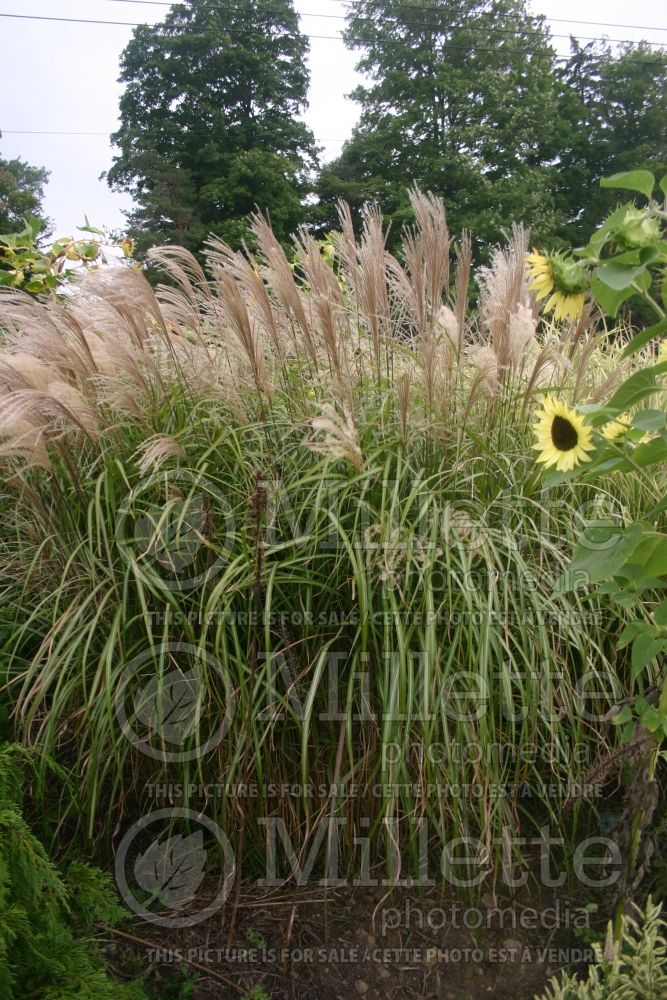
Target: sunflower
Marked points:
563	436
559	279
613	429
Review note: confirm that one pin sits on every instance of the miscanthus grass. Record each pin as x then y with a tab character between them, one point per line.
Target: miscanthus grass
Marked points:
307	491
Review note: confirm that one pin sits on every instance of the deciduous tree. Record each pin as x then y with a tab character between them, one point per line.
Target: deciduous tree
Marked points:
21	194
463	99
210	124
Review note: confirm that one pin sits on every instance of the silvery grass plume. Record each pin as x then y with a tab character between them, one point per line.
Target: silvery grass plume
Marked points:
506	315
304	332
339	436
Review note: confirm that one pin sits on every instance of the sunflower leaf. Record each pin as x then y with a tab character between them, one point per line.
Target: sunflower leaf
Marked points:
642	181
649	557
645	337
607	298
635	388
649	420
599	554
619	276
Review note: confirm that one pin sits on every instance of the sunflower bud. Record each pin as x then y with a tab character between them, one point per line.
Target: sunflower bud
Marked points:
639	229
570	277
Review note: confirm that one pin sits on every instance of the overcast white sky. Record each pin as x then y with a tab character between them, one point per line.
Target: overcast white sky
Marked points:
63	78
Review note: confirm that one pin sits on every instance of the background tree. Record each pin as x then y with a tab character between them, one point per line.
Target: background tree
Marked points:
21	194
210	122
464	100
615	103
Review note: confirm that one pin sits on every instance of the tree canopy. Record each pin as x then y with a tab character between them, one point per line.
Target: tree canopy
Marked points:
21	194
468	100
462	99
615	105
210	125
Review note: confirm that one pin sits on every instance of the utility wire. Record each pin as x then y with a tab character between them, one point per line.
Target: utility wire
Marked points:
391	8
478	48
19	131
420	7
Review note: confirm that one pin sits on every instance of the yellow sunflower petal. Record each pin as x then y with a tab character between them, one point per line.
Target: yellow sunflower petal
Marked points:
563	437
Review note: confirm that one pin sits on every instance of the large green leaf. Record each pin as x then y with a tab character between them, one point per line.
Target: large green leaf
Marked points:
608	300
649	557
599	554
631	180
635	388
644	648
649	453
645	337
619	276
649	420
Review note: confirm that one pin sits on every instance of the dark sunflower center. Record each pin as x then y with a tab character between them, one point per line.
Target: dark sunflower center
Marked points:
563	434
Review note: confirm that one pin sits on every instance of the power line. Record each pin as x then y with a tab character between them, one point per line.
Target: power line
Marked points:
478	48
19	131
69	20
408	6
424	23
428	24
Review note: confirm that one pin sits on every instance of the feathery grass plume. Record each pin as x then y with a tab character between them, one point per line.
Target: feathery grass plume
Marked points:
582	329
21	370
485	360
504	288
49	332
449	338
550	367
363	272
54	412
460	578
521	335
181	306
462	282
426	250
186	273
154	452
244	270
129	295
330	313
420	286
340	439
24	440
279	277
231	308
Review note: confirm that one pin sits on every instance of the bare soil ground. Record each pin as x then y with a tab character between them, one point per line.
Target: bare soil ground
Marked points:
316	944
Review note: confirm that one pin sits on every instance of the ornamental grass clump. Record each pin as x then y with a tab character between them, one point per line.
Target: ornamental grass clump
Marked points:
306	488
